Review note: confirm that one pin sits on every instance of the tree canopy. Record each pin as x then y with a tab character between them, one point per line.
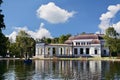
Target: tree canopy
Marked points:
60	39
2	25
25	43
3	39
112	40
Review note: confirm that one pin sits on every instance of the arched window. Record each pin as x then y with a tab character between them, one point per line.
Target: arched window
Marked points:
54	51
87	50
61	51
81	50
96	51
75	51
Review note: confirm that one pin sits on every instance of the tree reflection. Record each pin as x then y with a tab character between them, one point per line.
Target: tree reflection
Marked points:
70	69
114	72
59	69
3	69
23	71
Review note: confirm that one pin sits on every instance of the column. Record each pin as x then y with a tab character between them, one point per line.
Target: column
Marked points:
68	51
78	49
44	50
71	51
84	51
37	51
64	50
56	48
59	51
99	51
51	51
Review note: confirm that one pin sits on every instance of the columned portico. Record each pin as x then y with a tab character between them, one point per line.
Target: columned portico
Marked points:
54	50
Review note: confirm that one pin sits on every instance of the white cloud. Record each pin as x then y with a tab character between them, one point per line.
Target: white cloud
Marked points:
106	17
117	26
40	33
54	14
12	36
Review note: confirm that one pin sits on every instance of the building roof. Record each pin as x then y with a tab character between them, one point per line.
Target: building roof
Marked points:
95	37
86	36
56	44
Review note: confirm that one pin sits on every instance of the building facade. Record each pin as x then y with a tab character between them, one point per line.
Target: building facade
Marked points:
85	45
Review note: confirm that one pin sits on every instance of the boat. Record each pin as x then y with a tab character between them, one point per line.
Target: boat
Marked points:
27	61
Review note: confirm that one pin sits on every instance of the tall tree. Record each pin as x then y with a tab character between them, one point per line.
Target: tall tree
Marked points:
25	43
3	39
112	40
2	25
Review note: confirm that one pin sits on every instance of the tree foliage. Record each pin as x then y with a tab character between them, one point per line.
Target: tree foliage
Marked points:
3	45
25	44
3	39
112	40
63	38
2	25
60	39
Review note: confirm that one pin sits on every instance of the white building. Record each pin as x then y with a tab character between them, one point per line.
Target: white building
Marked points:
90	45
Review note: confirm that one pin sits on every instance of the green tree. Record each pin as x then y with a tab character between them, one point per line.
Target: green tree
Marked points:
48	40
3	39
2	25
63	38
13	49
55	40
25	43
3	45
112	40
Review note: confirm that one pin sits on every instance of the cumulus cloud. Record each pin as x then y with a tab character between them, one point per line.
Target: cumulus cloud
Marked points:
54	14
106	18
117	26
38	34
12	36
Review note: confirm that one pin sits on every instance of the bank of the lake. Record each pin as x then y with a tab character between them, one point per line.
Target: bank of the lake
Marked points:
81	58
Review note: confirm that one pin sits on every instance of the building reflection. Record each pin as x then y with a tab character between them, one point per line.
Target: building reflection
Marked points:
70	69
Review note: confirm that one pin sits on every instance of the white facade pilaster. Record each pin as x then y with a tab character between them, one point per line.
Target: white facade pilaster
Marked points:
84	51
51	54
78	49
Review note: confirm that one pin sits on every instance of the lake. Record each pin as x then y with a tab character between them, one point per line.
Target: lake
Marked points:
59	70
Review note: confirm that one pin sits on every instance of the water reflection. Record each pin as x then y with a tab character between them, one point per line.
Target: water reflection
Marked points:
59	70
69	69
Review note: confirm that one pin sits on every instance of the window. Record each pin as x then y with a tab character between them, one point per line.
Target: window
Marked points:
48	51
75	50
87	50
81	50
88	43
95	51
105	52
60	51
54	51
81	43
77	43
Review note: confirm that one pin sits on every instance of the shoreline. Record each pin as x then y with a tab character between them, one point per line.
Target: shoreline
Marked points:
79	59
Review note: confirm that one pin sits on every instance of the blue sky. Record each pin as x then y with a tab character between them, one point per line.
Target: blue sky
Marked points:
52	18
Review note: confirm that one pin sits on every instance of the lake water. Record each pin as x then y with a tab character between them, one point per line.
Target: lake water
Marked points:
59	70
